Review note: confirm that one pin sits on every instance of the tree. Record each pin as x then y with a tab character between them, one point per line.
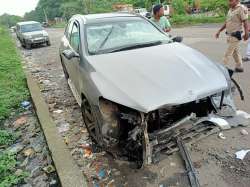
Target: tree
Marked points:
9	20
218	6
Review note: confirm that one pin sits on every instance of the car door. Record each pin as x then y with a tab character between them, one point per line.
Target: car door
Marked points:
65	45
75	61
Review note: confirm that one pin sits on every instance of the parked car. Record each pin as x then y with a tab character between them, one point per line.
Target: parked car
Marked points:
166	10
31	32
141	11
13	29
138	89
246	3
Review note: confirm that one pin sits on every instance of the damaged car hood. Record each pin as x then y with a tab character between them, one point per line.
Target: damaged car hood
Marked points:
152	77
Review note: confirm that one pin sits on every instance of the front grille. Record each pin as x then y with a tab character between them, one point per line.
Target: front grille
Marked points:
37	36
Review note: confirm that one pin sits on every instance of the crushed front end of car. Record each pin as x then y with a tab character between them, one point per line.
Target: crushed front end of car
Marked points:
142	137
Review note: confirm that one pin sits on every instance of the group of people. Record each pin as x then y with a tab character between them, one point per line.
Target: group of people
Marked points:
237	18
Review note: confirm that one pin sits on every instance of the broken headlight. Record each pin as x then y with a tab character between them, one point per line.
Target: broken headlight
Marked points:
217	99
114	116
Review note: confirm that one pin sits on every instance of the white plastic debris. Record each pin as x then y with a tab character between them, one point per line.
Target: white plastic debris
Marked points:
244	132
63	128
241	154
243	114
58	111
221	136
223	124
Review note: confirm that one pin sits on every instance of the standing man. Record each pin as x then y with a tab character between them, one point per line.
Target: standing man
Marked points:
159	18
236	17
247	57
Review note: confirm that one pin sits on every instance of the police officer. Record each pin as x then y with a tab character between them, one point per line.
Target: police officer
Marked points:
236	17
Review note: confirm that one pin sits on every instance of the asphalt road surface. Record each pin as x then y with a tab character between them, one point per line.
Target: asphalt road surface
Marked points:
213	158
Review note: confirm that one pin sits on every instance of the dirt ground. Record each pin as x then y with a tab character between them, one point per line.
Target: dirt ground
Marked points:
213	157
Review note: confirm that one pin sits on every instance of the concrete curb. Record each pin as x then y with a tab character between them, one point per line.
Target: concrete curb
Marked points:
67	170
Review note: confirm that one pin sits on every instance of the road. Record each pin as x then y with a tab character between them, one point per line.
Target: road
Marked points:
213	157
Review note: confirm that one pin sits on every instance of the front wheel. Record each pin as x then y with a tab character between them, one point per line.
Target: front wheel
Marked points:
48	43
89	120
27	45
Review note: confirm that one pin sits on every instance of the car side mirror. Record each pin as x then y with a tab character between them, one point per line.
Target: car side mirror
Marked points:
69	54
177	39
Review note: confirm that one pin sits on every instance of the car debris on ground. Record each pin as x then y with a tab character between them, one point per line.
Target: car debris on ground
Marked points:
241	154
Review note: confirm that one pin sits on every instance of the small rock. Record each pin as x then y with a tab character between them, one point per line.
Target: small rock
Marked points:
49	169
19	122
16	148
18	172
53	182
58	111
63	128
38	148
35	162
25	162
36	171
244	132
66	140
172	164
111	183
41	181
46	81
221	136
29	152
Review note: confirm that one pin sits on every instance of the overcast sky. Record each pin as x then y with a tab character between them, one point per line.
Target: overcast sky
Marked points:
17	7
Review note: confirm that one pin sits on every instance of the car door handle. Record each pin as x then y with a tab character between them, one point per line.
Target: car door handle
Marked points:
69	54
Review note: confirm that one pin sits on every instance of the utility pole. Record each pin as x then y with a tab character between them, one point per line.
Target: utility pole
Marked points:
86	6
45	15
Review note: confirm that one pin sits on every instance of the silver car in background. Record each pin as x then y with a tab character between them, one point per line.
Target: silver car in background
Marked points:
30	33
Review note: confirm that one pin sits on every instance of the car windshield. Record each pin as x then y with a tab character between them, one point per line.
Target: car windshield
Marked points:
31	27
107	37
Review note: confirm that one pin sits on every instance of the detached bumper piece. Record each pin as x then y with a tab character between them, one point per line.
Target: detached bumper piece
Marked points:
189	129
191	172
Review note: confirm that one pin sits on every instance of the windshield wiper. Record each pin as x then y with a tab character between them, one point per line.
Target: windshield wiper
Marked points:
105	40
136	46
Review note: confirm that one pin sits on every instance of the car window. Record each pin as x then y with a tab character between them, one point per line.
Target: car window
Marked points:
110	35
31	27
75	38
69	29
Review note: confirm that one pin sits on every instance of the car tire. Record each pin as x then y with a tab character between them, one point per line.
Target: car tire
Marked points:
27	46
90	121
48	43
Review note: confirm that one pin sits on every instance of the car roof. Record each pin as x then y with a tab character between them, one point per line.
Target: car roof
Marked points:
27	22
90	18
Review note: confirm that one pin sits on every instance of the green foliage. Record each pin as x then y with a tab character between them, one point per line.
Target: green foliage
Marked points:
13	87
6	138
9	20
189	19
7	167
179	7
218	6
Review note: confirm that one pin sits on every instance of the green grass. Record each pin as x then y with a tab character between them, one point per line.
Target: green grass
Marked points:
8	177
59	25
13	87
6	138
184	20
